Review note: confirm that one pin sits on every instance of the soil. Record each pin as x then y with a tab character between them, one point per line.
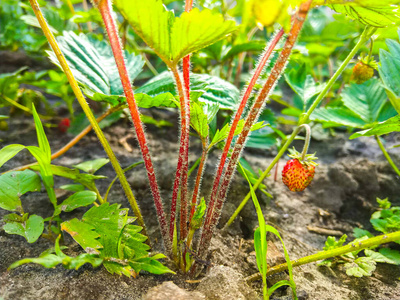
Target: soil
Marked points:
350	175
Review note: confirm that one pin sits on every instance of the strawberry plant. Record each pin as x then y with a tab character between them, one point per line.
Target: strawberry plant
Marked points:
102	66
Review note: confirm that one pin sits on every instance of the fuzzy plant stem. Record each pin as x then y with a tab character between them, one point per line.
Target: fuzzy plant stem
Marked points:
104	7
182	167
268	51
387	156
86	109
181	176
199	176
368	32
351	247
214	214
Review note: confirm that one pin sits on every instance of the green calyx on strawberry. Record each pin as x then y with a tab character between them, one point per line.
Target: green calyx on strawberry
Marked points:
364	69
297	174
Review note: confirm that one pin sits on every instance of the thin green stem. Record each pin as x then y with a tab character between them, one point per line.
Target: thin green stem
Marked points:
307	141
386	154
351	247
21	107
367	33
86	109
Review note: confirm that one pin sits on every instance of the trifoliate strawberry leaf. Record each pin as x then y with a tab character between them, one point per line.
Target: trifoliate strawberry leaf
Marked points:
108	221
303	84
365	99
337	116
14	184
30	228
79	199
84	234
373	13
172	37
216	90
389	71
93	65
362	266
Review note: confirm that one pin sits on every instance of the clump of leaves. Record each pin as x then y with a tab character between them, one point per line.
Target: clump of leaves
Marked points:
363	262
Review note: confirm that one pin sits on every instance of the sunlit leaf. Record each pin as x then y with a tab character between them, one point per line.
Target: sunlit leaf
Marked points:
172	37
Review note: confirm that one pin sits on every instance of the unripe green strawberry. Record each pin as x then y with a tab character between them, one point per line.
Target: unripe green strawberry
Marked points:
364	69
362	72
297	174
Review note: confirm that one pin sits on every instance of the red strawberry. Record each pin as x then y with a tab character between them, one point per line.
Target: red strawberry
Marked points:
298	174
64	125
364	69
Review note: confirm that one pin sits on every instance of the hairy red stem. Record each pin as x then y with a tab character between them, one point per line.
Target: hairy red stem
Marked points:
279	67
182	167
235	121
199	176
104	7
181	177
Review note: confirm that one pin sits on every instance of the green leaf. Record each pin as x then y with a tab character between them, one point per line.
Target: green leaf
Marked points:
390	125
365	99
30	229
150	264
198	215
303	84
255	46
8	152
93	65
389	69
197	29
222	134
78	199
172	37
331	242
84	234
217	90
49	260
161	100
73	187
376	15
14	184
91	166
358	233
44	166
337	115
362	266
199	120
392	256
87	180
41	136
108	221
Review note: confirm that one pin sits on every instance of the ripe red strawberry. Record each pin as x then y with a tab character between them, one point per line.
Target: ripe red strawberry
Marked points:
364	69
298	174
64	125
